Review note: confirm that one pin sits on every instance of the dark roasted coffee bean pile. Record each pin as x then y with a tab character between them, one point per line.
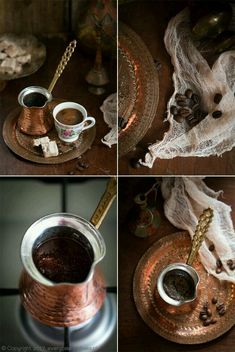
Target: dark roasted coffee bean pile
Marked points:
188	108
207	313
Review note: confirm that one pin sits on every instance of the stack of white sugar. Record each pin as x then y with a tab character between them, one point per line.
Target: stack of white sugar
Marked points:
12	57
49	147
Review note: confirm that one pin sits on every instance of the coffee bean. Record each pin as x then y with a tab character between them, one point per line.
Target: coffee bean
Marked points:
182	103
207	322
203	312
221	312
80	165
211	247
217	98
178	118
203	115
173	110
218	270
213	321
214	300
195	98
80	168
197	113
203	317
179	96
193	122
220	306
190	117
135	163
185	112
188	93
216	114
85	165
195	106
219	263
209	312
229	262
232	267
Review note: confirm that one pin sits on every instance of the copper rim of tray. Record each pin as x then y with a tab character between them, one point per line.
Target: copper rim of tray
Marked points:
180	324
138	88
22	145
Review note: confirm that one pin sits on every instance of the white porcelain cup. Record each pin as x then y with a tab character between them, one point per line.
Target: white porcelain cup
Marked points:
68	132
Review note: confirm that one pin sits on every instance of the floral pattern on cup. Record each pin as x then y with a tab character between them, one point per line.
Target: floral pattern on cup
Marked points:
67	133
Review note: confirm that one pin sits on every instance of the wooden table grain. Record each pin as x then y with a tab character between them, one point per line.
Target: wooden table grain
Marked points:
72	87
134	334
149	19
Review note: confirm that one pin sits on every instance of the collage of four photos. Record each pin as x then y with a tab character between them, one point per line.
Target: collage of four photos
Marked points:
117	165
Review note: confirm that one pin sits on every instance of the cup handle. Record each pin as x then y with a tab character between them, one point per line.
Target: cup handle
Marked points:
91	120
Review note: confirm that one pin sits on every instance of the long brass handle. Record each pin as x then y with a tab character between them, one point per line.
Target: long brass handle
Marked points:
200	232
63	62
105	203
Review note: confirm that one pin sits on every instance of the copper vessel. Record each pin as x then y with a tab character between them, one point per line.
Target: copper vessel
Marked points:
35	118
185	273
63	303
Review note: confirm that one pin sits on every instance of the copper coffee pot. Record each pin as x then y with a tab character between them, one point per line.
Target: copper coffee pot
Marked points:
183	279
35	118
64	303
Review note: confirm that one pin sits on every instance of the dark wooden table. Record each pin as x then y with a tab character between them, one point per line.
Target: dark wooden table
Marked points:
134	334
149	19
71	87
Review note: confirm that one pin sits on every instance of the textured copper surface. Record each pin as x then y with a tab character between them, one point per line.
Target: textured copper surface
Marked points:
35	121
62	305
180	324
138	88
22	144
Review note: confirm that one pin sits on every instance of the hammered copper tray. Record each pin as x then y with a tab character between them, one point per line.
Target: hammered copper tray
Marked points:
138	88
180	324
22	144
